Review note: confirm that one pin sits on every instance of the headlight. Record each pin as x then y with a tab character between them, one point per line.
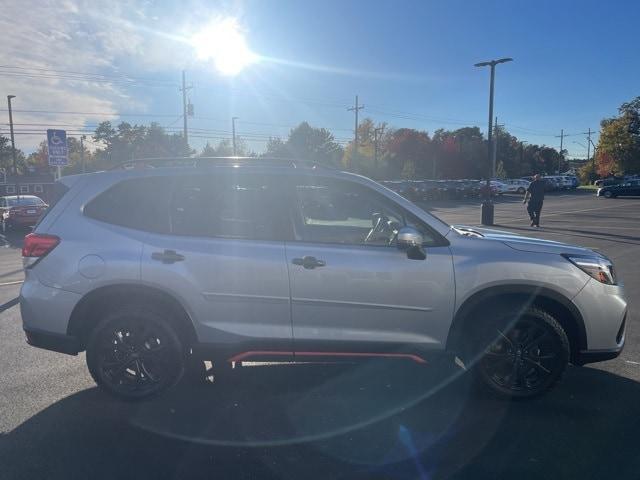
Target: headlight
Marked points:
595	266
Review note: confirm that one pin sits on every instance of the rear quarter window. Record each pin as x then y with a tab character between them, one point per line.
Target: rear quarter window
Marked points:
139	203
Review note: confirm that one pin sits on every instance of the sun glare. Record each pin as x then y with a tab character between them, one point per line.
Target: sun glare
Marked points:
223	43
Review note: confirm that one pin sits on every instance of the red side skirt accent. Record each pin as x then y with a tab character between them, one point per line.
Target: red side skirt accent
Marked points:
246	355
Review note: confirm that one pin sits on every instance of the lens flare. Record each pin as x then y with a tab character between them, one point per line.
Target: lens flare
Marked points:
223	42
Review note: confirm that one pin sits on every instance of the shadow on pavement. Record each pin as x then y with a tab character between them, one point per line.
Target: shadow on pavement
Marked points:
310	421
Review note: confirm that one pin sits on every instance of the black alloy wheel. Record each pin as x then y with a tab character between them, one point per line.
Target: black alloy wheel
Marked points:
134	353
525	359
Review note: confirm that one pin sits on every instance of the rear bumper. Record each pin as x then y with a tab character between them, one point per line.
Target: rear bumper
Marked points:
52	341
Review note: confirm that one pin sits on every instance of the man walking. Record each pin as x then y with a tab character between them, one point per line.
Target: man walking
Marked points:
535	195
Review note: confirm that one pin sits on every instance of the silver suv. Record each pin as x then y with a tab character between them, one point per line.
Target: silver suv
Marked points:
154	270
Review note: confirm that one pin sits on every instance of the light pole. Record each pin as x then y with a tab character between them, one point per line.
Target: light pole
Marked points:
487	205
233	134
13	143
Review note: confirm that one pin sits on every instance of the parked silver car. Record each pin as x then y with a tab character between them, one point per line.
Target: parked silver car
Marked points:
152	270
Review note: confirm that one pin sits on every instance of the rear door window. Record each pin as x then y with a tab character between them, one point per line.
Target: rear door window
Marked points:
234	206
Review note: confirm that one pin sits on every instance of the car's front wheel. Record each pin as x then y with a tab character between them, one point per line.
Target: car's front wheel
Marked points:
135	353
608	194
521	190
521	355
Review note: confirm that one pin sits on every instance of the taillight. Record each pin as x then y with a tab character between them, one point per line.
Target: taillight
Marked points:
36	246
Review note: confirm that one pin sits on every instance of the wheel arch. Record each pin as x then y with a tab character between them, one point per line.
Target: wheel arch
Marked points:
104	298
556	304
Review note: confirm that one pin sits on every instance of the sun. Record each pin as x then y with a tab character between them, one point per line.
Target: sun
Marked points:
223	42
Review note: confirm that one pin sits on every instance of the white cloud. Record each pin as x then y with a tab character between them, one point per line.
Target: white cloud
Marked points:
111	38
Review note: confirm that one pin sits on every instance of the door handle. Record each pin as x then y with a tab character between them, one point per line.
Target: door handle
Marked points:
309	262
168	256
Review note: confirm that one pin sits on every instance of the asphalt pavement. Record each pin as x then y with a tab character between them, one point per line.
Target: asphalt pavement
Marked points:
374	420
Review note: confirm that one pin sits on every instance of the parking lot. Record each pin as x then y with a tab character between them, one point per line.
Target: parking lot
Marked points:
373	420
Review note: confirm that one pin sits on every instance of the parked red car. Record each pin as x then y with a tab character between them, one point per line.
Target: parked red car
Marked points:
21	211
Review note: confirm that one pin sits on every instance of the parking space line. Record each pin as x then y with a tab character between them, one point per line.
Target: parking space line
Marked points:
9	304
16	282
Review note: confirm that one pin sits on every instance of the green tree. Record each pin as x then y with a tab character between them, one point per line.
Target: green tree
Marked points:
307	143
127	142
6	157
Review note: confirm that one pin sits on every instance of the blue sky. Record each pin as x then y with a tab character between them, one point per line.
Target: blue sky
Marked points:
411	63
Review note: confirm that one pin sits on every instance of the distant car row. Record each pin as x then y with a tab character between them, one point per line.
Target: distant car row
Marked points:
629	188
615	180
423	190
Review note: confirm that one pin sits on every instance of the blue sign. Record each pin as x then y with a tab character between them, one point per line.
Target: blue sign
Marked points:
57	146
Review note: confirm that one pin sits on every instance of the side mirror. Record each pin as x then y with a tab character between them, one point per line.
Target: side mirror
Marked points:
410	240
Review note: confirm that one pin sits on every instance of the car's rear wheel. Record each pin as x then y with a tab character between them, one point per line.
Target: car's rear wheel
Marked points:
134	353
608	194
522	354
521	190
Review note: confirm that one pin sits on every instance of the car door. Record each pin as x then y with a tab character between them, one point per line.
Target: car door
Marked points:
224	257
352	289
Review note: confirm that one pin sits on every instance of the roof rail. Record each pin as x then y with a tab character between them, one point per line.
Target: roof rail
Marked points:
196	162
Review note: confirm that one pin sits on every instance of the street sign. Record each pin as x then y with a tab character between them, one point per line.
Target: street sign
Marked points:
57	147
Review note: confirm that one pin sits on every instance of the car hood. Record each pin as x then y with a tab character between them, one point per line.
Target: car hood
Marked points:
520	242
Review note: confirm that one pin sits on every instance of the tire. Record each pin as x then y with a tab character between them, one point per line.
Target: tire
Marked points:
519	356
134	353
608	194
521	190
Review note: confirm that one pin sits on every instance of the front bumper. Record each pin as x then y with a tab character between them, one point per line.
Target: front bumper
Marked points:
52	341
593	356
604	312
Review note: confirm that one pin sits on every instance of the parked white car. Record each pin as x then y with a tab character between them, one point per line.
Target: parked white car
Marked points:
500	187
516	185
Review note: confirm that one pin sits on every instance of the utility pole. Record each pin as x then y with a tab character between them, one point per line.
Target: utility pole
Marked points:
589	148
233	133
354	159
82	137
13	143
184	89
376	138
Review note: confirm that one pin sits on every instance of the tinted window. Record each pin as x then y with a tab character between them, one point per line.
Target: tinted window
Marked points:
233	207
140	203
24	201
347	213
